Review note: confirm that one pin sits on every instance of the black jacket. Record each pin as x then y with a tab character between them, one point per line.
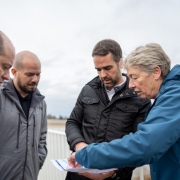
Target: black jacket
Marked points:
96	119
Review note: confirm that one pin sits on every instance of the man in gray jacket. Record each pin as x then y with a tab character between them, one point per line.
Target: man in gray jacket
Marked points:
23	123
7	54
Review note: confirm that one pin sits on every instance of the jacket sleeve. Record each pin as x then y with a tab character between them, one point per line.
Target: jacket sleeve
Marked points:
145	105
152	140
74	124
42	149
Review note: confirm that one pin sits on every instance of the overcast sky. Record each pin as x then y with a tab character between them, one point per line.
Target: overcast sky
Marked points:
62	33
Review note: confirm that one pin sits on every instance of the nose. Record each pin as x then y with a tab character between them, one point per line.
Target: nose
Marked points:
131	84
6	75
103	73
35	78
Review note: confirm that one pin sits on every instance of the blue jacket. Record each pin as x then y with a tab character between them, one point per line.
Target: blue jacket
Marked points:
157	141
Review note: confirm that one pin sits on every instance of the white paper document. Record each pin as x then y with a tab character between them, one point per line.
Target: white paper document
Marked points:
62	164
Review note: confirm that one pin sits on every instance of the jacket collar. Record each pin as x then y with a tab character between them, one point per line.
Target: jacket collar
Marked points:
172	76
9	89
96	83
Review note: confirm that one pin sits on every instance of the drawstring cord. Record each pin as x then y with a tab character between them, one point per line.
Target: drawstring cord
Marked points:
17	145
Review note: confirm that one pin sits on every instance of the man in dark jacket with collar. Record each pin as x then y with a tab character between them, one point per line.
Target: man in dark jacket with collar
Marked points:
23	123
106	108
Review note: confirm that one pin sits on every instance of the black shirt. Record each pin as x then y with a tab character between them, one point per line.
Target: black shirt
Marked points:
25	102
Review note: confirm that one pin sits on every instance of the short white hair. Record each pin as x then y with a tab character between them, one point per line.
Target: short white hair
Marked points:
148	57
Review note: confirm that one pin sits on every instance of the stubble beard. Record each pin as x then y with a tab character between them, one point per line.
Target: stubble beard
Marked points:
113	82
25	89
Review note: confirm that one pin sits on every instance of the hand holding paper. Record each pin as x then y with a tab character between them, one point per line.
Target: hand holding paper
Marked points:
62	164
72	161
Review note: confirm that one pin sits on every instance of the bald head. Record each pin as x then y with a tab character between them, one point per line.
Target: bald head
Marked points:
26	71
2	51
24	57
7	54
6	46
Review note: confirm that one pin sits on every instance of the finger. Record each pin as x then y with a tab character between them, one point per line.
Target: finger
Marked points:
71	162
77	165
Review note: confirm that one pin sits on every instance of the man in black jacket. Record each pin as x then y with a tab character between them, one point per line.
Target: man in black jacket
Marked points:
106	109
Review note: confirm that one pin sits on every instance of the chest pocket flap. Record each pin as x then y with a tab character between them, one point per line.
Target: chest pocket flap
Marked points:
90	100
127	107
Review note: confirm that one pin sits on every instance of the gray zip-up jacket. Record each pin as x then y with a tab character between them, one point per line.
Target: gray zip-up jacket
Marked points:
22	141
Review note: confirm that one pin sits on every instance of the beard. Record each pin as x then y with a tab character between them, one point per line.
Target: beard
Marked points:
112	82
25	88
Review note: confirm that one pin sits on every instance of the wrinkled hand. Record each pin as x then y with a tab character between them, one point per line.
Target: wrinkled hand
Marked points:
97	176
72	161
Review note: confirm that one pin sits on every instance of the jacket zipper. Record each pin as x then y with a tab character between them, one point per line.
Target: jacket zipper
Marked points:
26	149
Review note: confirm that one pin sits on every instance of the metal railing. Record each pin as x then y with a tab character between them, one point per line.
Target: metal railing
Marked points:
58	148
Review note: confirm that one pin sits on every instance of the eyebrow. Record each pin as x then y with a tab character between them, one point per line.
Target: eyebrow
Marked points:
32	73
104	67
130	75
6	64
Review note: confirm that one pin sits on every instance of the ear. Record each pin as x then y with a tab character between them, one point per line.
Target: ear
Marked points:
121	63
14	71
157	73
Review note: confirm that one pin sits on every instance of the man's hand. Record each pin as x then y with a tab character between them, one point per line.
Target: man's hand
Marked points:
80	145
72	161
98	176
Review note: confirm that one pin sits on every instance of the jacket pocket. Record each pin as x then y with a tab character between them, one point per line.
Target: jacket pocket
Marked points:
90	100
9	131
122	120
10	168
127	108
90	112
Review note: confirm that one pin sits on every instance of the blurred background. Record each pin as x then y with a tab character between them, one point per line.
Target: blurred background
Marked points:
63	33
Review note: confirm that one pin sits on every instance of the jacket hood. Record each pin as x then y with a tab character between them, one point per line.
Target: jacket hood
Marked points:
174	74
9	89
172	77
